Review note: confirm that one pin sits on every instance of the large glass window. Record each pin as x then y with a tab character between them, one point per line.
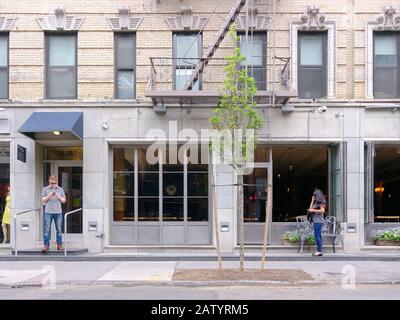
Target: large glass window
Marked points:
386	65
181	189
125	48
61	73
253	47
3	66
186	52
197	187
386	183
148	188
312	65
123	182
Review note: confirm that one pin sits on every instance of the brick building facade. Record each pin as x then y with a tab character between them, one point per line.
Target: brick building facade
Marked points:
329	94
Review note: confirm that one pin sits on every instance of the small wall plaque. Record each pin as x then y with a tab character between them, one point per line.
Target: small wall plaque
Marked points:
21	153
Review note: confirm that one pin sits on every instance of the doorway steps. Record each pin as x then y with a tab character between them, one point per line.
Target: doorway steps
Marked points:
38	252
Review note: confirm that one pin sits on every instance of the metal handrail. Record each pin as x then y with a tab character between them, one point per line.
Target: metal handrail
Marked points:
15	227
65	227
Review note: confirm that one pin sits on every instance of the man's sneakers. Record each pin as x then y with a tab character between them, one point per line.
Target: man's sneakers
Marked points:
47	248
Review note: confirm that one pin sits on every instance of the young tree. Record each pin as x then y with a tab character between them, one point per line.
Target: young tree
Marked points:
237	117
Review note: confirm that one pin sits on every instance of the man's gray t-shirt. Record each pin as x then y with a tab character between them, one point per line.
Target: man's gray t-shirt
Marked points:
54	204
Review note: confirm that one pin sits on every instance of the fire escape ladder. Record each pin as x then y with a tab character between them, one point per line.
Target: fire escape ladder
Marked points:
215	44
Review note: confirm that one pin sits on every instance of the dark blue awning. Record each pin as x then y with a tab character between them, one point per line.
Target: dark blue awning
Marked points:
44	122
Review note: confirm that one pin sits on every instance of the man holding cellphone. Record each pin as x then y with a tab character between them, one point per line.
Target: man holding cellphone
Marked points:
52	197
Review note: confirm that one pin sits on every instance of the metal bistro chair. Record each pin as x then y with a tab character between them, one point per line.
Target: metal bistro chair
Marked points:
304	228
331	230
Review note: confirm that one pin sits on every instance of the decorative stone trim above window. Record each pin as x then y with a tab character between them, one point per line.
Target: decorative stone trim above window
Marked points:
313	20
388	20
255	21
124	22
6	23
60	22
186	21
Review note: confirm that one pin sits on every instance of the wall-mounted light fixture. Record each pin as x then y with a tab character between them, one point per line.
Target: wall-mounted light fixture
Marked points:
104	125
321	109
56	133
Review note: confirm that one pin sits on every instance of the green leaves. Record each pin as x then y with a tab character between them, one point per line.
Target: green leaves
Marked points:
236	107
388	235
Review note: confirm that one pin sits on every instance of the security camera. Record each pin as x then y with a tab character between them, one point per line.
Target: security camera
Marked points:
322	109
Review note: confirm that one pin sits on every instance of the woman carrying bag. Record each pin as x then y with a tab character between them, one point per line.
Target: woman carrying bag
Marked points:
317	209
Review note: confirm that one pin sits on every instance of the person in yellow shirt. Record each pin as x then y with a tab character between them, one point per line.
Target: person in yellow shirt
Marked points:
6	218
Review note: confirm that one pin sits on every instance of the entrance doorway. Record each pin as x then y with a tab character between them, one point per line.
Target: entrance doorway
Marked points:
254	206
4	184
66	164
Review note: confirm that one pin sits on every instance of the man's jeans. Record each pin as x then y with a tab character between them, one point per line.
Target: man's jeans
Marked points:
318	236
48	217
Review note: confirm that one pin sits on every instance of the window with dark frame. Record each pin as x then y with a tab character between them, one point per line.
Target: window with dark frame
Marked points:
142	187
4	66
312	65
125	61
187	48
61	66
386	65
253	47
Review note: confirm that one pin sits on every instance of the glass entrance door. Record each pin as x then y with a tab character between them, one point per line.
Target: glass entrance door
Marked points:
254	203
70	179
255	195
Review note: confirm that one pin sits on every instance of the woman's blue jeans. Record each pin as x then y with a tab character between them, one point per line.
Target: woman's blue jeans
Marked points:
48	217
318	235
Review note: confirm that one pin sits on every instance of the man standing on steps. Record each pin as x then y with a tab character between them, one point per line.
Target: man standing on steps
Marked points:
52	197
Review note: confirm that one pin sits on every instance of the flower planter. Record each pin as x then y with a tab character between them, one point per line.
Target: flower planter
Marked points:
387	243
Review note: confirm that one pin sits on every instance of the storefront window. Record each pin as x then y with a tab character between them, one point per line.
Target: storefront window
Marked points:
124	188
175	185
386	187
148	189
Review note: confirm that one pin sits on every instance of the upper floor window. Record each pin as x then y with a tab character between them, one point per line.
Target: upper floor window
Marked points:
125	61
3	66
61	66
253	47
386	65
186	53
312	65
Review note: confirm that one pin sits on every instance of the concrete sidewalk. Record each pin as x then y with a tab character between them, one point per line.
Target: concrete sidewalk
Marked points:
131	273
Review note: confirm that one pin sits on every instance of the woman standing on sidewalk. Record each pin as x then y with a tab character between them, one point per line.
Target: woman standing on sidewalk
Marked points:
6	218
317	207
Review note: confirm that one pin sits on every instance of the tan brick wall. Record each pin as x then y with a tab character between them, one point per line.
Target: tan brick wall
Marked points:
154	38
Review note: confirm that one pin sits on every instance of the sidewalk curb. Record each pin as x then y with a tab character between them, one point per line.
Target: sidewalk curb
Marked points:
181	283
196	258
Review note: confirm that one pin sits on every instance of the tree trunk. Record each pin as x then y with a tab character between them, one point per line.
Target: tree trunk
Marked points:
241	220
266	225
216	225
